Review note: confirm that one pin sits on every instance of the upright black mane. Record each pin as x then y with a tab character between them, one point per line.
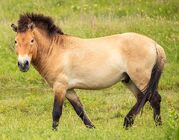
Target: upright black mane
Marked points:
43	22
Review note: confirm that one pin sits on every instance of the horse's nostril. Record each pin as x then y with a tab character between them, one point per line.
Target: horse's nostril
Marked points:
18	64
26	63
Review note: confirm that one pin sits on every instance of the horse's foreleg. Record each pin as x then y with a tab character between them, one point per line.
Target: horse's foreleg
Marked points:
78	107
155	103
57	106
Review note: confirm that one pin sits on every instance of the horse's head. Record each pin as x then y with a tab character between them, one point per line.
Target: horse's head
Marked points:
26	46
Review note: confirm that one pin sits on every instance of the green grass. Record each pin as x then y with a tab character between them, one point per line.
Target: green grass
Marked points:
26	101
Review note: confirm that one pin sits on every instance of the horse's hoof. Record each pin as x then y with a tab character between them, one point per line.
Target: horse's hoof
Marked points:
158	120
54	129
91	126
158	123
128	122
54	126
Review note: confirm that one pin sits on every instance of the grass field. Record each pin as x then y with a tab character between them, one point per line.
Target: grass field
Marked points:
26	101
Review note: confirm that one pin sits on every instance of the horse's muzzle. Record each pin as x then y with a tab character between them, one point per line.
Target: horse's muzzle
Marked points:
24	66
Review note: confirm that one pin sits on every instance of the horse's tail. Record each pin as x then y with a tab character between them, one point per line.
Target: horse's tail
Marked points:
155	76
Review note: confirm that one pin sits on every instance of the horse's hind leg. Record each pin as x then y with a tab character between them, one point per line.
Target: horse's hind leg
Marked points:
78	107
129	119
155	103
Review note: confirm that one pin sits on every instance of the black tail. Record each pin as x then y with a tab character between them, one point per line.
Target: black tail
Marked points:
153	83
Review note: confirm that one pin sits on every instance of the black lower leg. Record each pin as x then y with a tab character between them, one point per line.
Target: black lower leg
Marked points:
81	113
129	119
57	112
155	103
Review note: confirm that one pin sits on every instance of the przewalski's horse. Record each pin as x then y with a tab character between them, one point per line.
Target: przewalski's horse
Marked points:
68	63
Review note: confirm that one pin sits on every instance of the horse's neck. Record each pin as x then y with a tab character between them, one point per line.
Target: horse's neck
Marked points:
43	48
47	48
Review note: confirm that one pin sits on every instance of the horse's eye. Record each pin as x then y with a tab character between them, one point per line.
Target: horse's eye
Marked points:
15	42
32	41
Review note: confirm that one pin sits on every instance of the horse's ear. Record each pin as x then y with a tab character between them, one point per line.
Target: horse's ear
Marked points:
31	26
14	27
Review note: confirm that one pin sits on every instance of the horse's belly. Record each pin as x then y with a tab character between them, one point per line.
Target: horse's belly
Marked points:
96	80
